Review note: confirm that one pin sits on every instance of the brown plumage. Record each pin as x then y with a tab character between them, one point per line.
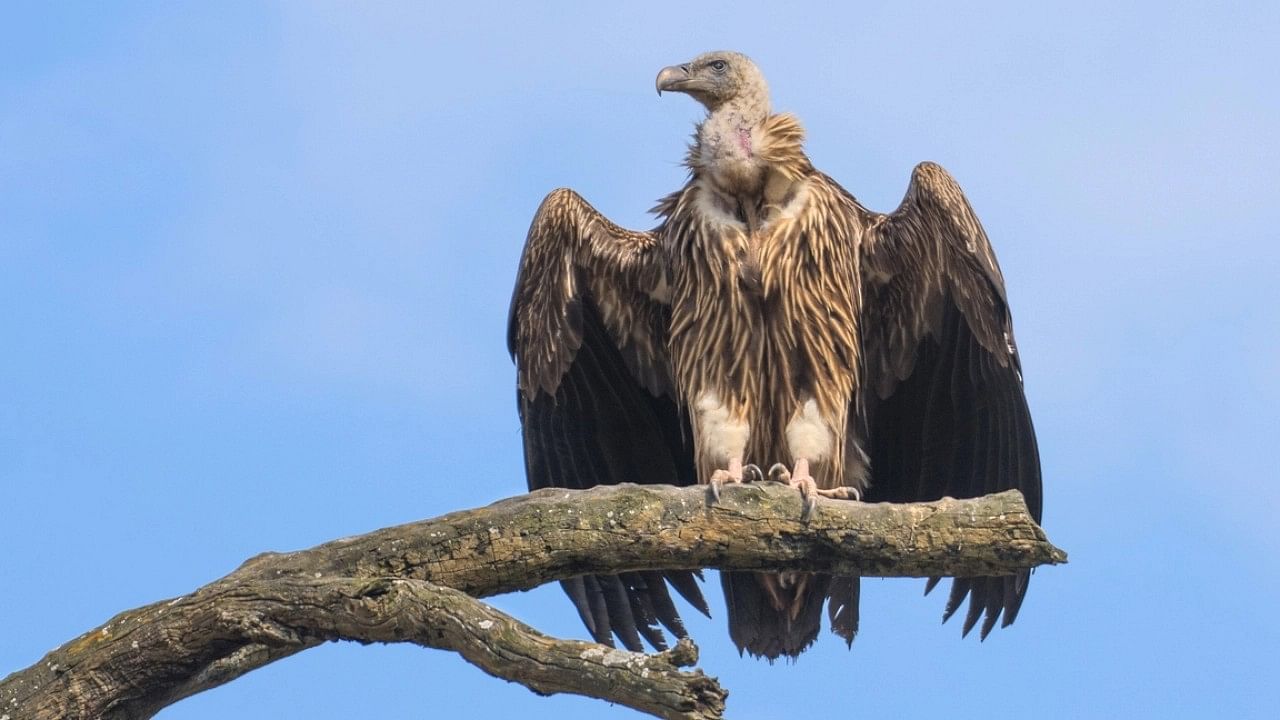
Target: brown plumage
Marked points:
769	318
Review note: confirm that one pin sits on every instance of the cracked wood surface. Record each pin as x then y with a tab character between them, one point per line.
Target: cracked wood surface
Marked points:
412	583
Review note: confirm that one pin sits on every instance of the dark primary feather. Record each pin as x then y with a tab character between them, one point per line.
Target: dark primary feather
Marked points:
943	407
601	427
588	418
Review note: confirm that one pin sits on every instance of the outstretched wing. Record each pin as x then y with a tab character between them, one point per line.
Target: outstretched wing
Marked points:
594	392
941	401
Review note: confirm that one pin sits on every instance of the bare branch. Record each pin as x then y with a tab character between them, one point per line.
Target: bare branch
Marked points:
385	587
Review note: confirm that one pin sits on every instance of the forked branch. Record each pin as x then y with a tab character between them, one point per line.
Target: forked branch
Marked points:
414	583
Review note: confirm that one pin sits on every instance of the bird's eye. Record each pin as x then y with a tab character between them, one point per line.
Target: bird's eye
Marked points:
719	65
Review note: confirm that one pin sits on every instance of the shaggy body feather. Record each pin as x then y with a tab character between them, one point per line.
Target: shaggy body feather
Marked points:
742	327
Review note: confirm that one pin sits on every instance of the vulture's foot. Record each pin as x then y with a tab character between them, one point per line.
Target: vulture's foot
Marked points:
801	480
736	473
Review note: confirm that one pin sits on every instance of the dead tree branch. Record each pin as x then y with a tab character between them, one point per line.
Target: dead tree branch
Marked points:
413	583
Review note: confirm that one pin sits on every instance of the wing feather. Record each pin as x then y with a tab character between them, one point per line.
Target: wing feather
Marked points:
943	407
594	393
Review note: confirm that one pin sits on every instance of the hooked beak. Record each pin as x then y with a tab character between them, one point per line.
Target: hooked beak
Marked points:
674	78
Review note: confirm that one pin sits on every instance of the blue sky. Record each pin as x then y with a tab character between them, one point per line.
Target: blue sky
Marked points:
255	260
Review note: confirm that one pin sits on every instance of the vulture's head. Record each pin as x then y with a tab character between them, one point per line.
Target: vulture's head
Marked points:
716	79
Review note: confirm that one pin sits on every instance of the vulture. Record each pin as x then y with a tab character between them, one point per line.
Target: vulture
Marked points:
769	320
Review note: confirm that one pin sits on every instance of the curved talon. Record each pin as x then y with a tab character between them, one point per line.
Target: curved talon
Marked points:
751	473
733	474
718	479
808	487
780	474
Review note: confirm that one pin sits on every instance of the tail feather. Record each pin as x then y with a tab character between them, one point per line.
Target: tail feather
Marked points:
842	607
771	618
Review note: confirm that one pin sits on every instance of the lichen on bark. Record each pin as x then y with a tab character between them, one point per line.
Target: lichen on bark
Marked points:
418	583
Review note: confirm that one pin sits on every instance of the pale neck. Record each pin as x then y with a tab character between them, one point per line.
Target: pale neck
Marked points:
745	113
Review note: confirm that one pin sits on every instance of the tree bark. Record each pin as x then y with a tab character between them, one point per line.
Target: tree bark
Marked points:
413	583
